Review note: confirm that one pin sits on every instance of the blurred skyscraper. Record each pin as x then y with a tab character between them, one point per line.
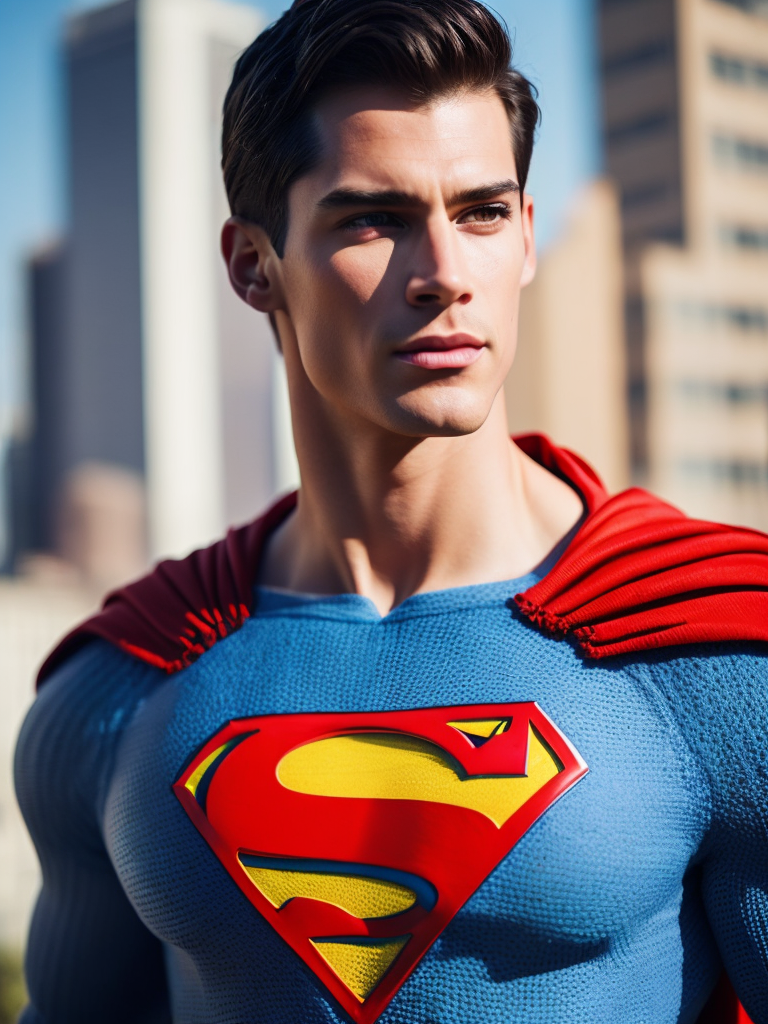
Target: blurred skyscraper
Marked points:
143	359
156	394
569	374
685	102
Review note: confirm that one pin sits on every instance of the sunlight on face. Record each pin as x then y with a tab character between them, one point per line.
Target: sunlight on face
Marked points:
406	251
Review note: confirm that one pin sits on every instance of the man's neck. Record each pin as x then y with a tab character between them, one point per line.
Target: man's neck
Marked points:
390	517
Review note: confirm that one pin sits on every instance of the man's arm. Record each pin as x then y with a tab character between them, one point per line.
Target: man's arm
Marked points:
725	701
735	890
718	696
90	958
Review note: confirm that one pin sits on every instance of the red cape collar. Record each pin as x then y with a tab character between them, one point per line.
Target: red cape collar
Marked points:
639	574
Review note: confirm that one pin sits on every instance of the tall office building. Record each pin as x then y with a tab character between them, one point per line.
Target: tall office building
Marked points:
568	376
143	357
148	374
685	103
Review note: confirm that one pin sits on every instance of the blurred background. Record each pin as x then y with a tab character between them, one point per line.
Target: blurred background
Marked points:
142	406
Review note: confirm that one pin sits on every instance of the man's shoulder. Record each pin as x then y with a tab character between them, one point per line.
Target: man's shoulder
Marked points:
63	750
92	681
175	613
716	695
727	668
641	575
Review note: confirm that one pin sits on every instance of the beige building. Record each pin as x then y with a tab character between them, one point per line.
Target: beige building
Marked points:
707	305
568	378
103	545
34	613
148	362
685	91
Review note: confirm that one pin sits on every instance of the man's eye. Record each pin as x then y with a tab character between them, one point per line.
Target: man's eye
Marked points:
486	214
373	220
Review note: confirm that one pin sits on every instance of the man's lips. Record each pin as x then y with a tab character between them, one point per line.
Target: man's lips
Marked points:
441	351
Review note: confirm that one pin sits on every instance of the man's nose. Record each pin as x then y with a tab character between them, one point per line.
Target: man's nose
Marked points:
439	274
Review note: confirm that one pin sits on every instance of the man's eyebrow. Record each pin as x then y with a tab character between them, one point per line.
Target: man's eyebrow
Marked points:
363	197
345	197
483	193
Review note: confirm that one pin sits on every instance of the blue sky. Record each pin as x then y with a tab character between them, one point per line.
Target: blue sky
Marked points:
554	46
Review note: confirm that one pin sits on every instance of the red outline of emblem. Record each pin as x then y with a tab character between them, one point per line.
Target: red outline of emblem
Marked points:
245	813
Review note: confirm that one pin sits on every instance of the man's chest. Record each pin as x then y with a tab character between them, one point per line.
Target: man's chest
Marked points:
355	815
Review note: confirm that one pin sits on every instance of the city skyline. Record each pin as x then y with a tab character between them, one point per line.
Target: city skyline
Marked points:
685	100
554	45
58	581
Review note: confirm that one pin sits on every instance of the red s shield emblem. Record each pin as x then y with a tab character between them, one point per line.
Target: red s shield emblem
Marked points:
359	836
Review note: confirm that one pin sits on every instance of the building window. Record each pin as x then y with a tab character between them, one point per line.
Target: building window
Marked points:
744	237
640	128
749	6
739	70
746	153
732	471
642	195
724	391
744	319
646	56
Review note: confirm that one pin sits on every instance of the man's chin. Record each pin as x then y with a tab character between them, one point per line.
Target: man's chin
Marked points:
458	421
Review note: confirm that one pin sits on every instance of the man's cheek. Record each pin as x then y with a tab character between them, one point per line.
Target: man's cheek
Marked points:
332	367
358	272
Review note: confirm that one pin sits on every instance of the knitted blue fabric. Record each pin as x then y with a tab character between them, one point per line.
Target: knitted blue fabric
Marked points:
619	904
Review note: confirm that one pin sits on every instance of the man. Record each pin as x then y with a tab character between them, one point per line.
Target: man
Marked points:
369	788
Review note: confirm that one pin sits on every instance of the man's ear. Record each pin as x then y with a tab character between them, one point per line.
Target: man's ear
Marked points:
254	267
529	240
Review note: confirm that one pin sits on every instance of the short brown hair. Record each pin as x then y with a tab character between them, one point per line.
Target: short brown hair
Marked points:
428	48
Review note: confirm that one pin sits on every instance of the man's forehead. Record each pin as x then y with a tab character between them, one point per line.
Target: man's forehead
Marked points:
377	140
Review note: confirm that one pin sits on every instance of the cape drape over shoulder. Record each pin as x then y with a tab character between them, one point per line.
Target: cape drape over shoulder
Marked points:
639	574
184	606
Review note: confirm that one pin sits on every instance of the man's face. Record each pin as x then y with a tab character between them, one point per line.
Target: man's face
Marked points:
405	254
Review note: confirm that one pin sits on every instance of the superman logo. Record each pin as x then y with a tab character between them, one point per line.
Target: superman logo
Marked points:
359	836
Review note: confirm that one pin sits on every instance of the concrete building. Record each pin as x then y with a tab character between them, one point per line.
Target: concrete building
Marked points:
33	615
48	447
143	357
213	412
685	98
157	401
568	378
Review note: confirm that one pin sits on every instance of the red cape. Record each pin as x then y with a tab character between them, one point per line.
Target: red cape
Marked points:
638	575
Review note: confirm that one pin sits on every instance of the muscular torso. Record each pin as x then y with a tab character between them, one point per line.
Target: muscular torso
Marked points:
596	914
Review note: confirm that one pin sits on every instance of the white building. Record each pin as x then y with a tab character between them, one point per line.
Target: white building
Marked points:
153	369
33	616
161	369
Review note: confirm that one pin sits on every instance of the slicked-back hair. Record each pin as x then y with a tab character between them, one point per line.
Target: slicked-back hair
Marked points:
425	48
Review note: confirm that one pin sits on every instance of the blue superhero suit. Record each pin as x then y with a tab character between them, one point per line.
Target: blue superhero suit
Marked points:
619	901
